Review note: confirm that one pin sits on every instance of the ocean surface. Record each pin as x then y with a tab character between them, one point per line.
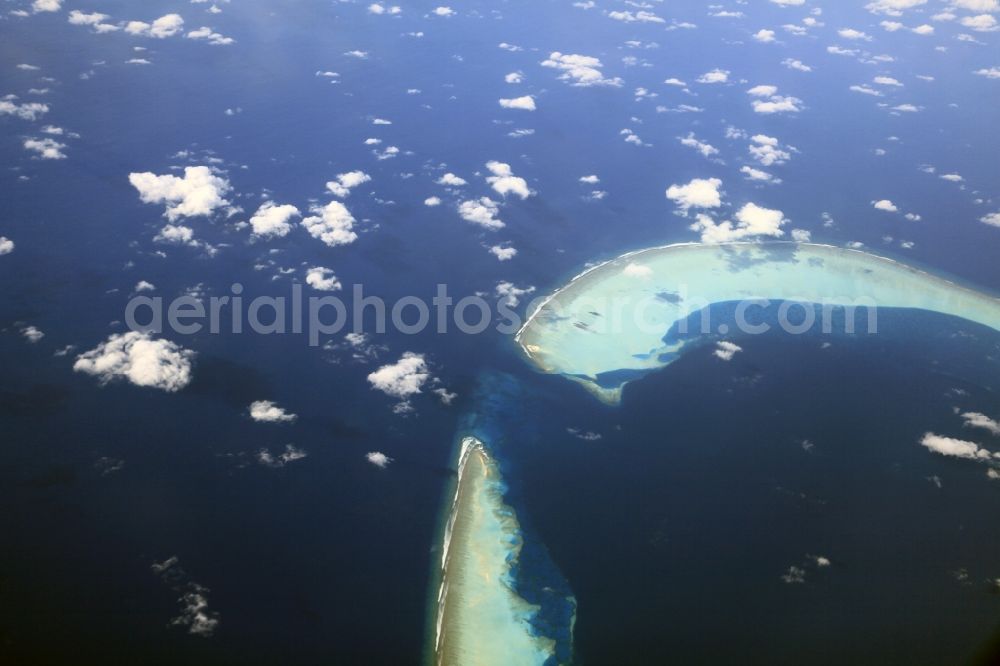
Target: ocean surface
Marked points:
671	518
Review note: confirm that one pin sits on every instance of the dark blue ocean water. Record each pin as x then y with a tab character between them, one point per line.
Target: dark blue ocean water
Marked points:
672	531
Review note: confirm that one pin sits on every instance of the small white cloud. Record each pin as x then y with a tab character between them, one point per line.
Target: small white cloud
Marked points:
792	63
139	358
992	219
525	103
504	181
27	111
402	379
579	70
714	76
32	334
691	141
265	411
893	7
980	23
46	149
378	459
885	205
432	201
636	270
991	73
46	6
977	420
512	294
333	224
345	182
290	454
272	220
699	193
163	27
726	350
200	192
482	211
956	448
443	11
852	34
451	180
6	245
503	252
764	36
322	279
751	221
207	34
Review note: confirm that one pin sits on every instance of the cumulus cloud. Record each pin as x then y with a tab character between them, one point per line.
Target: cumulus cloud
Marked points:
636	17
272	220
726	350
451	180
27	111
956	448
699	193
482	211
95	20
46	149
46	6
432	201
139	358
977	5
512	294
199	192
290	454
345	182
333	224
6	245
769	101
764	36
885	205
265	411
691	141
977	420
714	76
402	379
767	150
163	27
322	279
758	175
505	182
637	270
503	252
852	34
525	103
792	63
992	219
176	234
980	23
751	221
893	7
378	459
991	73
579	70
207	34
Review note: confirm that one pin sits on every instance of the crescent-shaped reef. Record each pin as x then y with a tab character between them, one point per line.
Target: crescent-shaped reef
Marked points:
624	317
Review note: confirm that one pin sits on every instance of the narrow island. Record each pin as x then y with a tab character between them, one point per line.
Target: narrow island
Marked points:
480	617
618	320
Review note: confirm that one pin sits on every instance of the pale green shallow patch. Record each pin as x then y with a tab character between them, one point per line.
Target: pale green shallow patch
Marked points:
614	316
481	620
